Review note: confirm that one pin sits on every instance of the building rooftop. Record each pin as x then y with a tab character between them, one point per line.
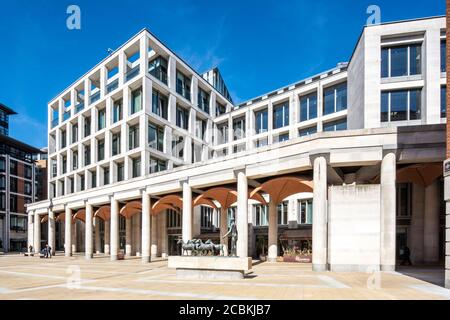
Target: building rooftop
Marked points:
6	109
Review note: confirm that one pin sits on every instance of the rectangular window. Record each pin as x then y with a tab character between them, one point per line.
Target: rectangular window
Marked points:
75	160
222	132
261	217
63	139
182	120
178	146
335	125
120	171
82	182
402	60
13	203
87	155
308	107
305	209
281	137
401	105
74	133
173	219
239	148
443	55
282	209
157	165
136	167
116	144
13	184
101	119
136	100
158	68
133	137
159	104
28	171
261	121
443	102
87	127
183	86
404	199
335	98
262	142
239	128
64	164
206	217
100	150
105	176
155	137
220	109
281	115
93	179
203	100
27	188
117	111
200	128
307	131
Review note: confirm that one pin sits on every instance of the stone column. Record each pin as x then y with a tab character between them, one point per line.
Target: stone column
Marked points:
107	237
416	241
97	239
51	230
114	229
37	233
154	236
128	230
74	236
146	227
242	215
163	230
68	232
88	230
431	223
136	246
388	191
319	226
273	232
187	212
30	230
224	229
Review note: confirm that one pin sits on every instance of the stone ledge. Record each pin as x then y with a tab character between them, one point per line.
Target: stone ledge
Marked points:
216	263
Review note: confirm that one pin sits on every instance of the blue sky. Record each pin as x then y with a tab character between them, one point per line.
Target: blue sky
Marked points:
258	45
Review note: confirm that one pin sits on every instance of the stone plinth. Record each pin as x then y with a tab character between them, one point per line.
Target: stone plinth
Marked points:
204	268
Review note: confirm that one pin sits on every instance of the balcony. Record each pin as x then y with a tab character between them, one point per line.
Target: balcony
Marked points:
132	73
94	97
112	86
55	122
79	107
159	74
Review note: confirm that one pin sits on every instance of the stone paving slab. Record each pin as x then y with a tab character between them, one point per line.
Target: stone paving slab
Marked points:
99	278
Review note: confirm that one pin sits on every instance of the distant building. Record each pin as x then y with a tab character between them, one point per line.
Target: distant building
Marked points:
17	185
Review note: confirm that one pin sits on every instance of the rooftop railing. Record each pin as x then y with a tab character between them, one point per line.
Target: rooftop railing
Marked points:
112	86
132	73
94	97
79	107
55	122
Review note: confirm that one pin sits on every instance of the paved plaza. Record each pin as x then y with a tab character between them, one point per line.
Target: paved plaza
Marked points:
75	278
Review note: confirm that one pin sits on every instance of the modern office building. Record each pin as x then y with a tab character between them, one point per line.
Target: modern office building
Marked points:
346	164
17	186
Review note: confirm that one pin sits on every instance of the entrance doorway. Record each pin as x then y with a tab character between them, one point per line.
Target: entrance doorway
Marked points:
174	248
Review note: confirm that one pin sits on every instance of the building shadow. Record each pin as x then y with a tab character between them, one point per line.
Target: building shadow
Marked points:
431	274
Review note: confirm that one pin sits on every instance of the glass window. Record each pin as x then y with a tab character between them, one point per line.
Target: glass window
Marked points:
443	55
261	121
281	115
136	100
101	119
158	68
239	128
136	167
308	107
155	137
117	111
220	109
159	104
116	144
401	105
75	160
105	176
203	100
182	120
87	155
281	137
120	171
335	98
157	165
443	102
133	137
74	133
87	126
305	209
307	131
101	150
178	146
404	60
183	85
335	125
93	179
262	142
403	193
63	139
200	128
282	209
222	134
261	215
